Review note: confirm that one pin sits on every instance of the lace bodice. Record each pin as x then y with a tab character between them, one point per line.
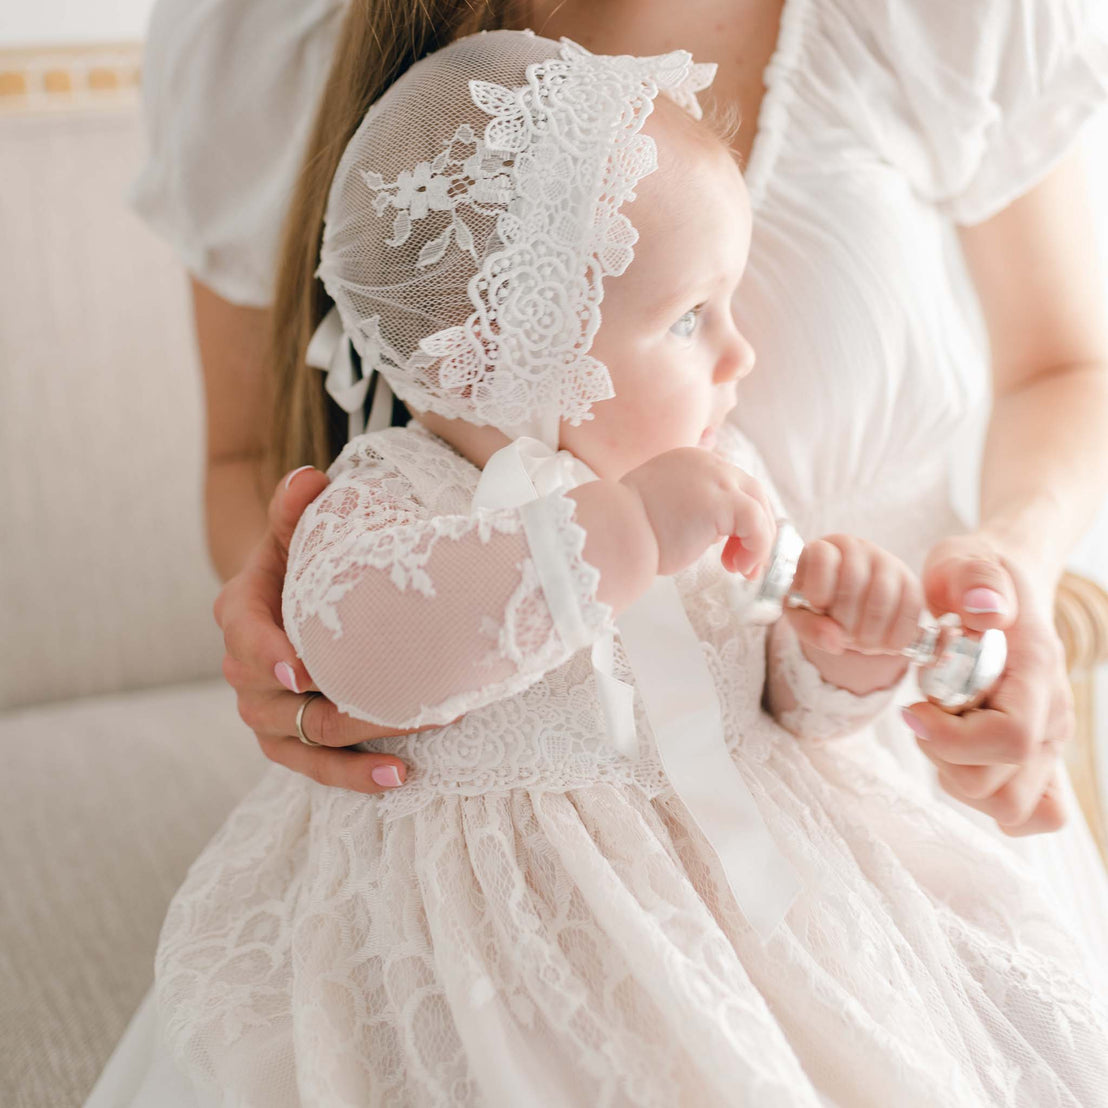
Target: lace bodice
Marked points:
536	919
409	609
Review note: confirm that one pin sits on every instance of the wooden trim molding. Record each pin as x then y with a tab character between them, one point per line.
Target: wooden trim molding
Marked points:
67	78
1081	618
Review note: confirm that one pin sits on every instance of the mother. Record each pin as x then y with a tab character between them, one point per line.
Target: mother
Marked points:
900	157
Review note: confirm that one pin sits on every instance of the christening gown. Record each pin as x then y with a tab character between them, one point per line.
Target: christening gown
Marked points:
534	918
884	126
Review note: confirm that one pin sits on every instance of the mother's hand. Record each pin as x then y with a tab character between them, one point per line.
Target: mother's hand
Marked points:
262	667
1002	758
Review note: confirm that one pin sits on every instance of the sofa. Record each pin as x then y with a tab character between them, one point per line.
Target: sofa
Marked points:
120	747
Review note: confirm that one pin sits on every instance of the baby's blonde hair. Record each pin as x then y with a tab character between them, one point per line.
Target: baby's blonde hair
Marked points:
724	122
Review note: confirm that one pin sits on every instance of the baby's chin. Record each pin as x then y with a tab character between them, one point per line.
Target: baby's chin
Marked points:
615	464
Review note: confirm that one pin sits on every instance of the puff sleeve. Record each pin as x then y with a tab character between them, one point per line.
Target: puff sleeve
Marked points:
229	92
981	97
409	619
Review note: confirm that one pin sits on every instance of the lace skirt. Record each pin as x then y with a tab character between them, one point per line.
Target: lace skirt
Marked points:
578	947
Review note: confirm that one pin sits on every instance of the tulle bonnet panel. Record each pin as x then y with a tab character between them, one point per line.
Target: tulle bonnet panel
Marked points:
475	214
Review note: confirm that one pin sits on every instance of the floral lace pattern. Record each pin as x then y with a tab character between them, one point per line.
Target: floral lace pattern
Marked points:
531	200
533	919
380	542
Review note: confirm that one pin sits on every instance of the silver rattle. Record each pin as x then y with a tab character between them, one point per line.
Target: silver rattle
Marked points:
956	672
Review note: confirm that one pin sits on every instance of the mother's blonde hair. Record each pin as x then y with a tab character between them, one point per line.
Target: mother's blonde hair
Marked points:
379	40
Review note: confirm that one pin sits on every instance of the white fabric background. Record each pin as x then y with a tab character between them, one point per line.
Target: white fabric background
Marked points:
70	21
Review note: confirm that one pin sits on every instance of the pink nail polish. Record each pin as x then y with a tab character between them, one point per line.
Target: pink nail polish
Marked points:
983	601
286	675
288	479
914	724
388	777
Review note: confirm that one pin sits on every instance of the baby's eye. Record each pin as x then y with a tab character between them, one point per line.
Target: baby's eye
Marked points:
685	326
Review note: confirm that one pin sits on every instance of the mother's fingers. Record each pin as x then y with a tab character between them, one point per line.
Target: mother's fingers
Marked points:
323	723
272	717
986	736
1050	814
1017	801
291	496
258	652
342	769
1030	704
965	576
273	713
969	782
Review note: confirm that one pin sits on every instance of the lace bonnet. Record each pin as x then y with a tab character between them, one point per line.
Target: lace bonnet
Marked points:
475	214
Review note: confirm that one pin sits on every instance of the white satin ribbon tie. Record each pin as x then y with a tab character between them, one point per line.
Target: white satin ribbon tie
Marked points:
678	692
329	350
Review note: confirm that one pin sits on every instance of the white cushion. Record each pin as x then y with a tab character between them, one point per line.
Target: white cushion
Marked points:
105	802
104	581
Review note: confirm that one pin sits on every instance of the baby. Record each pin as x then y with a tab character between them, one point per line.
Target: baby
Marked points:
629	864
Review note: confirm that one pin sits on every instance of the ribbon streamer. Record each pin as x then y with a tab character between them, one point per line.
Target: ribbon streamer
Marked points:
678	692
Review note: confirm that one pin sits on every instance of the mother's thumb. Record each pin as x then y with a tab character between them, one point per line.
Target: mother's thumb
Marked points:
979	590
294	492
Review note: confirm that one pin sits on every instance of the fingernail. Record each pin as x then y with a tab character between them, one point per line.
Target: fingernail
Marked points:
288	481
388	777
982	601
286	675
914	724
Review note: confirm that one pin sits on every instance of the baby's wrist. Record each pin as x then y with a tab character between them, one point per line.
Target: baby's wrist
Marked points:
620	541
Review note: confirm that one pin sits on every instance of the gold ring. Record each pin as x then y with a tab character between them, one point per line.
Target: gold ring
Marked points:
308	698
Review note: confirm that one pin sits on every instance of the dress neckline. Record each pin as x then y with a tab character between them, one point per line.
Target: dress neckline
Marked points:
773	112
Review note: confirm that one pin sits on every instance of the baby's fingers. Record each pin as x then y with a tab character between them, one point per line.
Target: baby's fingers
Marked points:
906	626
851	584
755	489
881	605
816	630
751	530
817	573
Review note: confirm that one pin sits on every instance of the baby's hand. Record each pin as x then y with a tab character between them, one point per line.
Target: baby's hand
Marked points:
693	498
873	601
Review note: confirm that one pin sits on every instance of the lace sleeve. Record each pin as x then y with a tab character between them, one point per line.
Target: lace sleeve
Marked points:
807	705
408	619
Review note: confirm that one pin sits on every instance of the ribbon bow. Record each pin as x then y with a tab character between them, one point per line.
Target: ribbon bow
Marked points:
331	351
676	686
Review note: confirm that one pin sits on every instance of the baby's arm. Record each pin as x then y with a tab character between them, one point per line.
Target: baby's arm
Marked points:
408	619
829	674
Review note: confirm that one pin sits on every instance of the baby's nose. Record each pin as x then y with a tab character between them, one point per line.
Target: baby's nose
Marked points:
737	361
749	357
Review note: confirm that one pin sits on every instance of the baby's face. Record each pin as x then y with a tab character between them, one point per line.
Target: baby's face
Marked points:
668	336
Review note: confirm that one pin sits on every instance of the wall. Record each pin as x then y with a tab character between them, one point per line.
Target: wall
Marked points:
58	22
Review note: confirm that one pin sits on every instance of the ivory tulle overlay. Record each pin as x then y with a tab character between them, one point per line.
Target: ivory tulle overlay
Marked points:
535	918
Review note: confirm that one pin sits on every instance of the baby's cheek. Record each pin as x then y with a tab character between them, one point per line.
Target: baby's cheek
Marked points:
679	423
662	429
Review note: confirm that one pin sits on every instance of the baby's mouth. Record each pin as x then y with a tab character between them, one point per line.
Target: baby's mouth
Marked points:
708	438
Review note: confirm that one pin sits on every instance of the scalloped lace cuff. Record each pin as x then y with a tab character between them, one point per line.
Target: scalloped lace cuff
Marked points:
820	711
